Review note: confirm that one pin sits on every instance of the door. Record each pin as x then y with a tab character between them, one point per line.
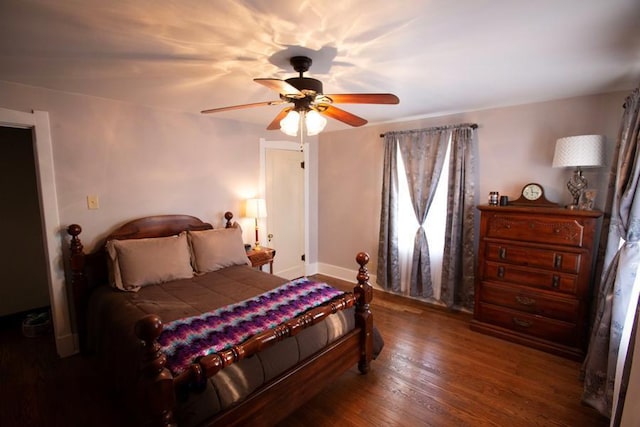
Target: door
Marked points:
284	194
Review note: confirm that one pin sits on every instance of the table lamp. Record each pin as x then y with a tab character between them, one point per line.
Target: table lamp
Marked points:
582	151
256	208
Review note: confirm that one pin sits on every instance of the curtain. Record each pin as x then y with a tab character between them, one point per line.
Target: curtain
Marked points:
423	152
458	270
423	155
388	272
621	261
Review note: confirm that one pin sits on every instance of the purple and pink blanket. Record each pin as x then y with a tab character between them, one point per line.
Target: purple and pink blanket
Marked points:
184	340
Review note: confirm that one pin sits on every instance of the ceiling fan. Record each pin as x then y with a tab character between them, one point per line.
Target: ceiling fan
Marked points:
309	102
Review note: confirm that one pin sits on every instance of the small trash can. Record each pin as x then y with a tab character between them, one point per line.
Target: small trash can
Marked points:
36	324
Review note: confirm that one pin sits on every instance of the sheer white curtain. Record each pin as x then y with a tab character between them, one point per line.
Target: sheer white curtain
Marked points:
435	230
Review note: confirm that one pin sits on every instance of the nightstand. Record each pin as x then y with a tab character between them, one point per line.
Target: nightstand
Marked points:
262	256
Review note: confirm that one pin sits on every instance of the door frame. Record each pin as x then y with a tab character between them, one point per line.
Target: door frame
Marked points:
54	236
291	146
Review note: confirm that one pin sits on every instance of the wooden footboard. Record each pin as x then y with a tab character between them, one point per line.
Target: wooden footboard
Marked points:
272	401
296	386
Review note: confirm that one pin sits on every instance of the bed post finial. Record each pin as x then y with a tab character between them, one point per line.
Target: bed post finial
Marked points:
364	318
228	216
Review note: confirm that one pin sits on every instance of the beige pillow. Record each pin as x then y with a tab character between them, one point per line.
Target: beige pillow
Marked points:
140	262
218	248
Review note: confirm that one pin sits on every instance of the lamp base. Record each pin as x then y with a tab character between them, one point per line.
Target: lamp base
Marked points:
576	184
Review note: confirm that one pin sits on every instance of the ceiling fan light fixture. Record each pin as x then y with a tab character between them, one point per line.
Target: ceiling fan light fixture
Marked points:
290	124
314	122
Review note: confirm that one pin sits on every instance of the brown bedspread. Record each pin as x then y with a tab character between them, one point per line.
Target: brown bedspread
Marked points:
112	314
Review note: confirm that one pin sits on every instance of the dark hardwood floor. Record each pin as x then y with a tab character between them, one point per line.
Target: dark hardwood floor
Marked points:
433	371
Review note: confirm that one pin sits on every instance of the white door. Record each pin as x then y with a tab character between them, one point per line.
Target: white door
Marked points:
284	194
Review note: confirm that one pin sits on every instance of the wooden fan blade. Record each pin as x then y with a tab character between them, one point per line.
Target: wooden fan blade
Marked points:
275	124
364	98
239	107
344	116
280	86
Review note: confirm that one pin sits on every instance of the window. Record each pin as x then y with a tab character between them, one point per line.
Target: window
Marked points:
435	226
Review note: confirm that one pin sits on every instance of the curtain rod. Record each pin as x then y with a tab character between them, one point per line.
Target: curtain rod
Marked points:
471	125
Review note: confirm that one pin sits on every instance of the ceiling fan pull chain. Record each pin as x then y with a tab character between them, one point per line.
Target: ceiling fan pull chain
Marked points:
301	124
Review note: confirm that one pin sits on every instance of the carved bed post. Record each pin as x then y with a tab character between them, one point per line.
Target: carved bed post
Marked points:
79	286
156	386
364	318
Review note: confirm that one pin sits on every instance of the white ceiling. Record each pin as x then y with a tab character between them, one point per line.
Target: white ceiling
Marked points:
438	56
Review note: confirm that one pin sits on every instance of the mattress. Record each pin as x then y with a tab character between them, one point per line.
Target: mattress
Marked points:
112	314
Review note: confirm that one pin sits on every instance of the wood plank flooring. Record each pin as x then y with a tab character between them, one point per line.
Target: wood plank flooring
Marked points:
433	371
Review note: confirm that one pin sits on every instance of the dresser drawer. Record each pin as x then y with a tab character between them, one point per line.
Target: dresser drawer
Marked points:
541	229
565	333
522	275
523	299
534	257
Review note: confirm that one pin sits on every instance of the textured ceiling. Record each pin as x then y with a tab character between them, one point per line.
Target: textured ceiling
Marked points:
438	56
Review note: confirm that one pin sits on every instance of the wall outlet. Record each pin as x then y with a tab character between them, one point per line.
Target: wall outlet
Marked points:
92	202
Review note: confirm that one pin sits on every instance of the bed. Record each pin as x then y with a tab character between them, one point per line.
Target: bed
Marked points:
163	333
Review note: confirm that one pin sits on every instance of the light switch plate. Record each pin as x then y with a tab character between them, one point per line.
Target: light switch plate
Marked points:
92	202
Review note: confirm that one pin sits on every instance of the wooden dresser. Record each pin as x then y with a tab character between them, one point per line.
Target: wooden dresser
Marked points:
533	284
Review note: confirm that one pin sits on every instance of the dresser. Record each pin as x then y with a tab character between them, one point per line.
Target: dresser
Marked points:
533	284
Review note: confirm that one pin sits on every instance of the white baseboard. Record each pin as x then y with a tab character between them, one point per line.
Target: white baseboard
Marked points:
67	345
343	273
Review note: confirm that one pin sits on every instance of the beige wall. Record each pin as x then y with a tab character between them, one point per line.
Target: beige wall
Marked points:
515	145
141	161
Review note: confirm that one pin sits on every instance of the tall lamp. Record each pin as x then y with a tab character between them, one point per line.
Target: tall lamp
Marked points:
582	151
256	208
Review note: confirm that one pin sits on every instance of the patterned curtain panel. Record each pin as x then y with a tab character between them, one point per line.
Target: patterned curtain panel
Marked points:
458	270
620	265
423	152
388	273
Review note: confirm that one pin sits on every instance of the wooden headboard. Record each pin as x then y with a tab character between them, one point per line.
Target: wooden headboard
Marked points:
91	270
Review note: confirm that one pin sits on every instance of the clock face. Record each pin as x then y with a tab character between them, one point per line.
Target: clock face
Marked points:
532	192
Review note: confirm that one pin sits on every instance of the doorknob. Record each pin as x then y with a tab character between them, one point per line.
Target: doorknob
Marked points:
269	236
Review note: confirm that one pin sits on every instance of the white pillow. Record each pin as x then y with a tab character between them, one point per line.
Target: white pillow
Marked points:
140	262
218	248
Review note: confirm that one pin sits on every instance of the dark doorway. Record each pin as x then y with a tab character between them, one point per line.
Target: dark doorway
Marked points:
22	256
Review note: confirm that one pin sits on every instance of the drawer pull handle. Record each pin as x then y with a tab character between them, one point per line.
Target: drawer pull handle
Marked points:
502	253
557	262
556	282
501	272
522	323
525	300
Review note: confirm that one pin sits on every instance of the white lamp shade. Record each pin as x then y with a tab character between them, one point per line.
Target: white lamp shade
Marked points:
314	122
581	150
256	208
290	123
